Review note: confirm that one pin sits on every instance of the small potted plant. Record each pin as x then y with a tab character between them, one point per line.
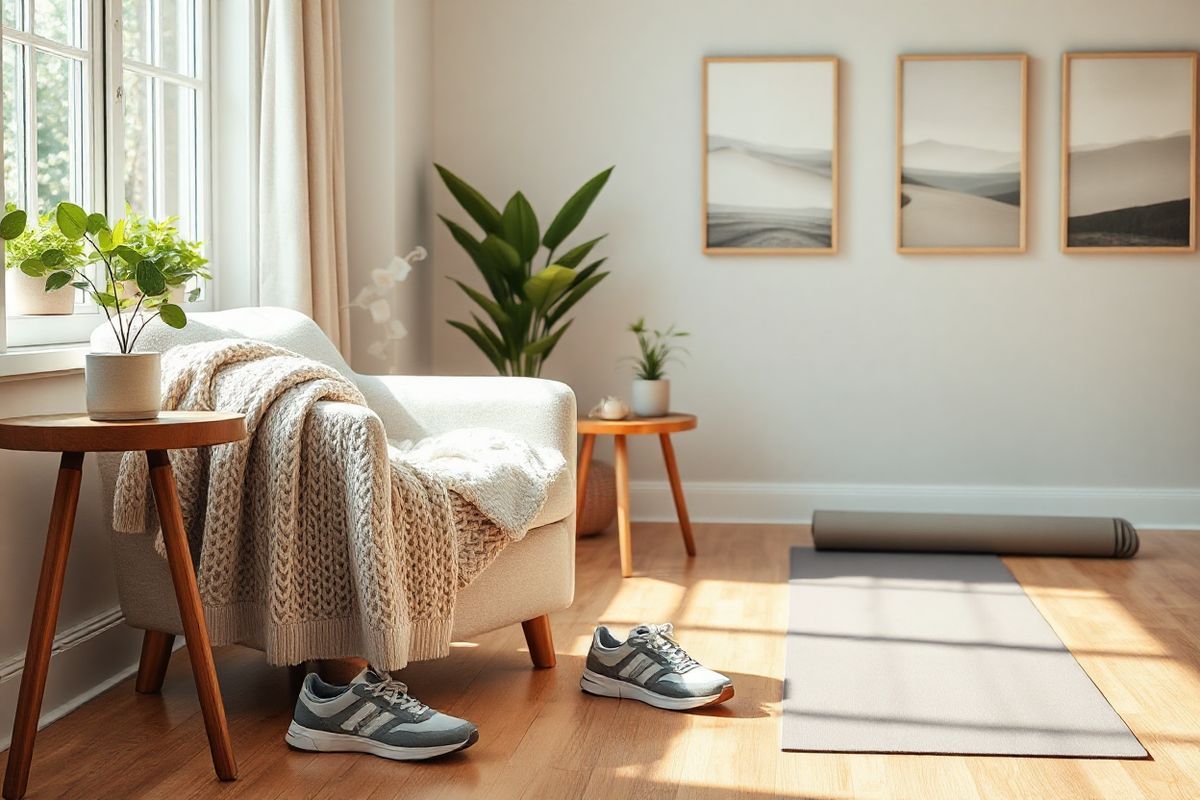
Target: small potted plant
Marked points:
178	258
651	389
122	385
25	277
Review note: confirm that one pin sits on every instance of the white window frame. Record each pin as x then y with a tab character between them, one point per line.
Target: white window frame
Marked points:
105	181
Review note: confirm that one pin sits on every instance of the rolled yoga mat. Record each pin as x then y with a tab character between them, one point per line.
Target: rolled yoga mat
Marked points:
974	533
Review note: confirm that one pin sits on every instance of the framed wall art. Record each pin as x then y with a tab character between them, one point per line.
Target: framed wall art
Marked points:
961	165
770	168
1128	152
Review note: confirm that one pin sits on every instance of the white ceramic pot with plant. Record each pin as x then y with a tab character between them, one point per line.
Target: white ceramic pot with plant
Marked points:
122	385
651	395
27	288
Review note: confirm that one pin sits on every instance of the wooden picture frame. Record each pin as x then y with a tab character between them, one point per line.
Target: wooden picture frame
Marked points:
1145	213
788	160
962	176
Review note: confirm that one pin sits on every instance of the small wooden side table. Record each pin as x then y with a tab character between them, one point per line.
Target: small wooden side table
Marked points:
635	426
76	434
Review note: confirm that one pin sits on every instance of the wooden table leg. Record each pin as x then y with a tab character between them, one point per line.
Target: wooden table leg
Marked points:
581	476
45	617
156	657
191	613
677	491
625	536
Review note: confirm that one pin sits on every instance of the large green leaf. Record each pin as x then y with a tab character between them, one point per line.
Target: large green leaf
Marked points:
519	226
53	257
573	210
475	204
575	256
33	267
13	224
128	254
548	285
72	221
172	315
573	296
545	344
492	308
482	342
500	256
491	335
494	277
57	280
150	279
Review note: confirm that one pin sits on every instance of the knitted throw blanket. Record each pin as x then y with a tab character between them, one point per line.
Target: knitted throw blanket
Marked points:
316	538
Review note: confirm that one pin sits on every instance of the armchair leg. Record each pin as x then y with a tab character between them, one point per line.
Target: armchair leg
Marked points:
541	641
152	668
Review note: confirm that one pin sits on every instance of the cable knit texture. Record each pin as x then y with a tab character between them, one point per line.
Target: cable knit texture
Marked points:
315	537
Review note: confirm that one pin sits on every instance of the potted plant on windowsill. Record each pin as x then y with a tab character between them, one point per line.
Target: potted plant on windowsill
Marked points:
651	389
124	385
25	289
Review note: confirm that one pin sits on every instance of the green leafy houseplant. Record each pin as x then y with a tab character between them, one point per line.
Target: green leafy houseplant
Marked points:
160	242
36	239
526	307
657	349
118	262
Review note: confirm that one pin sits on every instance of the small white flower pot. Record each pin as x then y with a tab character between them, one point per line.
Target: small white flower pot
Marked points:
28	296
651	398
123	386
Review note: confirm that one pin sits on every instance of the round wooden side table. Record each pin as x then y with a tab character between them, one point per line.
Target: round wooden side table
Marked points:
76	434
590	428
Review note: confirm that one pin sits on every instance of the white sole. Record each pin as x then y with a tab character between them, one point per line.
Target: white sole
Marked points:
304	738
604	686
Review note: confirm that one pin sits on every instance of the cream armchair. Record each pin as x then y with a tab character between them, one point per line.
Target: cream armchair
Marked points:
527	581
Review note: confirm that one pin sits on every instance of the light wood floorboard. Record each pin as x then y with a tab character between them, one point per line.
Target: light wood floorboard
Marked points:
1133	625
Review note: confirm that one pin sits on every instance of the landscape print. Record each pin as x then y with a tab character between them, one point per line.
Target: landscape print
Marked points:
770	169
961	143
1129	130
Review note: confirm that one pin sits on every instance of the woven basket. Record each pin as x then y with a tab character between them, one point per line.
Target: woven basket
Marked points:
600	501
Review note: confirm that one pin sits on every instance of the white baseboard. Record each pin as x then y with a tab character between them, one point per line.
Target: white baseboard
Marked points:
793	503
86	660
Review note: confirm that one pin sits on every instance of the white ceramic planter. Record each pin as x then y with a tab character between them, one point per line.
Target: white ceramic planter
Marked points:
651	398
28	296
123	386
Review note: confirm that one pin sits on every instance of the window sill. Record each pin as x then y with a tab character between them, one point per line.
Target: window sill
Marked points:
20	362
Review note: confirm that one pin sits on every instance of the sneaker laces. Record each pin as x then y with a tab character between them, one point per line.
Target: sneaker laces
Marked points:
395	694
661	639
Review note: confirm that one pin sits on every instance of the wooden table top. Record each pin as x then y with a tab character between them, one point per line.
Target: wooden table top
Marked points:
632	426
172	430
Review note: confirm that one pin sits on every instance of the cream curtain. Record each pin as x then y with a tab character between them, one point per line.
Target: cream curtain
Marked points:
302	257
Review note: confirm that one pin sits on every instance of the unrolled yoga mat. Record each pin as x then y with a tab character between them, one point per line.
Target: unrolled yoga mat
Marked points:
974	533
932	653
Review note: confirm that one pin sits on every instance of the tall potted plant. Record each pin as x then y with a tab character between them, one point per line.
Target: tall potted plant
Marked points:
25	276
122	385
527	305
656	349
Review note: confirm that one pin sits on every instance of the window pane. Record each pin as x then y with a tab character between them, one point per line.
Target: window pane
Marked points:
135	29
178	36
13	11
14	124
179	164
138	152
60	108
60	20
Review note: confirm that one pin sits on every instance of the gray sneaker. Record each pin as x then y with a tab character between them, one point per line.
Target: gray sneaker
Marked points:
375	715
650	666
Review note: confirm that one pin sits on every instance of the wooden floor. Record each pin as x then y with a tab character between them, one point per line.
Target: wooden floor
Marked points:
1133	625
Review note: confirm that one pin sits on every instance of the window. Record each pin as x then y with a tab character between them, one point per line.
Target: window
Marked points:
105	104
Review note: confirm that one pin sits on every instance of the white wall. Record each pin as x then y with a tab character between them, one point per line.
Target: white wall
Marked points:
864	379
92	646
386	77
